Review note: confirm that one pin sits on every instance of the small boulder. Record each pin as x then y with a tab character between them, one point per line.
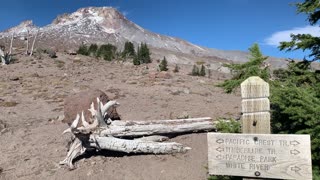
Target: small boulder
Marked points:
79	102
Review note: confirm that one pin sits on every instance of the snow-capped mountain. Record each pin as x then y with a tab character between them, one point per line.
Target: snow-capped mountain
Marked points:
107	25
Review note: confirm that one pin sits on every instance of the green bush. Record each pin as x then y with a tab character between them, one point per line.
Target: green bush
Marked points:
228	126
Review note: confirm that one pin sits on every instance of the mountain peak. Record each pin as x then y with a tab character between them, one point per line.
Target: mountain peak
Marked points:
94	13
23	27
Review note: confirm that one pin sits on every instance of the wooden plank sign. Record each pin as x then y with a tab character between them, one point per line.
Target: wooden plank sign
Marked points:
260	155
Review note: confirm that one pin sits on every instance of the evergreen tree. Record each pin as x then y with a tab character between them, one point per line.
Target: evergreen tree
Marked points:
128	50
136	59
195	71
295	98
107	51
163	66
176	69
83	49
254	67
306	42
202	71
145	53
93	49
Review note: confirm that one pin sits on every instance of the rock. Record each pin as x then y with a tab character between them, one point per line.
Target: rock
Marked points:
81	101
152	75
14	78
60	118
186	91
162	75
71	52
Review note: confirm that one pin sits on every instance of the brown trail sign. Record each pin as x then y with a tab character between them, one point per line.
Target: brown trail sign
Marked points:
259	154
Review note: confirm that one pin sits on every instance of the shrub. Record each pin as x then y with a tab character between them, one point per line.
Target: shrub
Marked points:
228	126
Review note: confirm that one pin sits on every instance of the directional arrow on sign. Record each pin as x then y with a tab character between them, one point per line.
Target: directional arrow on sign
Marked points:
294	152
294	143
220	149
219	141
295	169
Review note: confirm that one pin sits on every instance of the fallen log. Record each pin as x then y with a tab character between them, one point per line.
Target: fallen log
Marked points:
111	135
157	127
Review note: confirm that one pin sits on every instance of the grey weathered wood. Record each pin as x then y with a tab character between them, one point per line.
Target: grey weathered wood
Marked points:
267	155
27	48
255	106
157	127
11	42
138	146
34	41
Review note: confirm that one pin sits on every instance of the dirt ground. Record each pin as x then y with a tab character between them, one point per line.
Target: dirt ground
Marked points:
32	92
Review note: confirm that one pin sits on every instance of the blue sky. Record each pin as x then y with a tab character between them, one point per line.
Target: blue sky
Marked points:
227	24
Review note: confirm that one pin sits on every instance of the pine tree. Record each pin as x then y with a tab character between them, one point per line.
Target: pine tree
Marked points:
163	66
128	50
176	69
254	67
202	71
136	59
145	53
195	71
93	49
83	49
295	98
107	51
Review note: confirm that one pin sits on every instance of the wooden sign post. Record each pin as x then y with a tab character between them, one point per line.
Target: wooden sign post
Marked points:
256	153
255	106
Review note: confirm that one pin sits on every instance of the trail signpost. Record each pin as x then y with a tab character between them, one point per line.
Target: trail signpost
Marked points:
260	155
256	153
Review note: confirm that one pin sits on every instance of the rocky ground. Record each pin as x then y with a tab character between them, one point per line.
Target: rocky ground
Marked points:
32	93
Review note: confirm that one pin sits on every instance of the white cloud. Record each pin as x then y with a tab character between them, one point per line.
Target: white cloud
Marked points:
277	37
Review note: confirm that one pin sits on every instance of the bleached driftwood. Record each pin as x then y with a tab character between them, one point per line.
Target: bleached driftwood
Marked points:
108	135
2	57
11	42
146	128
34	41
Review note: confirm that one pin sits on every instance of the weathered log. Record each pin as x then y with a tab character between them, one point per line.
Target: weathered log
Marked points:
105	135
157	127
136	146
